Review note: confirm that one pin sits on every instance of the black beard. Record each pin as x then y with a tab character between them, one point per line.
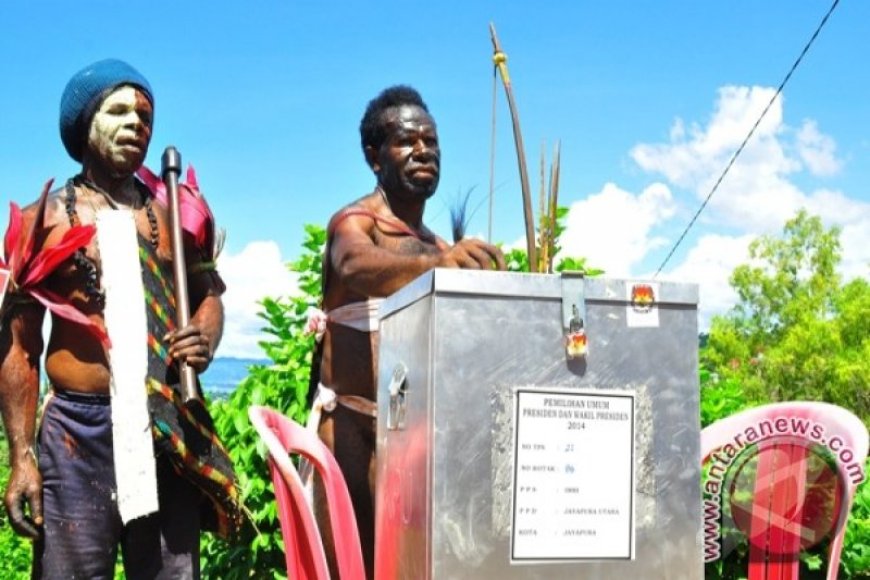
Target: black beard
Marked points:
405	188
424	191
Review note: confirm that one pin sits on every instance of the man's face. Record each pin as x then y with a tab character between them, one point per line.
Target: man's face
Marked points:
409	161
121	131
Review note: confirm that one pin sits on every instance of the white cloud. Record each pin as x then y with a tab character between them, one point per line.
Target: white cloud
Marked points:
755	194
696	155
612	229
855	240
252	274
709	264
817	150
835	207
615	229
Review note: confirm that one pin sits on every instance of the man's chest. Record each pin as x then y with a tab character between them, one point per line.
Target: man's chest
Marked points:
147	229
404	244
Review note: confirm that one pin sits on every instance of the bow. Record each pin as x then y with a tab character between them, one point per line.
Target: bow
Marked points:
499	58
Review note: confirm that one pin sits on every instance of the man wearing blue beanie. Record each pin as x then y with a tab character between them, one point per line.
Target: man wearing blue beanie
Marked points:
85	91
118	460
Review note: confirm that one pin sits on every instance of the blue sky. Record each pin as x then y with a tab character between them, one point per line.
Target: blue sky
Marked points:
648	98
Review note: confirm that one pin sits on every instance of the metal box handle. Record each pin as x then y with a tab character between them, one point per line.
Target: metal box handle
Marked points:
398	388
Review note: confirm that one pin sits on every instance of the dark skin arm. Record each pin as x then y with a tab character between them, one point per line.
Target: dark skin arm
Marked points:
373	270
21	345
197	342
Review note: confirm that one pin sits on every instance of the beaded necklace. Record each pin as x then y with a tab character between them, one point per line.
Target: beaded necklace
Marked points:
80	259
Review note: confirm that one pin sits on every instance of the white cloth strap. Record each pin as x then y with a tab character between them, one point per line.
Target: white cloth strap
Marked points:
325	400
362	316
127	327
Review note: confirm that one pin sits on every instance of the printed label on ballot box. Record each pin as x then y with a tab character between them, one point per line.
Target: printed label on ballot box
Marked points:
573	480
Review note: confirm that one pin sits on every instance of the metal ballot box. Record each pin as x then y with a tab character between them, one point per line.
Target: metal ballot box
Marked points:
501	456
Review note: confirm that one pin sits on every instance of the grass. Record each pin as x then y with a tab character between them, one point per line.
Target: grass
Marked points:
15	552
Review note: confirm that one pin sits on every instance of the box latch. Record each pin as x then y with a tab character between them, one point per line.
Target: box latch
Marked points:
574	314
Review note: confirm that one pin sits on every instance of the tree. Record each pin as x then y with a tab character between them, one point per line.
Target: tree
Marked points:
797	333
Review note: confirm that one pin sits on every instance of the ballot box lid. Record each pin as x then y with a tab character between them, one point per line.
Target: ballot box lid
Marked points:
447	281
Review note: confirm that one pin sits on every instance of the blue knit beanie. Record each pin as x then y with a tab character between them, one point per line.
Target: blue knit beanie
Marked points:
83	94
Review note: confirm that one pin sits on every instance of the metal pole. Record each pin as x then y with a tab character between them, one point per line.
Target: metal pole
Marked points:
171	171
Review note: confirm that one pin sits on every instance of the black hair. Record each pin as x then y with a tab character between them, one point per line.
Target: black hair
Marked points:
371	129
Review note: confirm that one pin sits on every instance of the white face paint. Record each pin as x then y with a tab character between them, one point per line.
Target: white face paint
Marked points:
121	130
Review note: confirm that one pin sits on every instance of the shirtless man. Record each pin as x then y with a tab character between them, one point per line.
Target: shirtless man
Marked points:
376	245
62	489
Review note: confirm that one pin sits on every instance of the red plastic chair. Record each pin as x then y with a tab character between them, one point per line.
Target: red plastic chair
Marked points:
303	546
782	498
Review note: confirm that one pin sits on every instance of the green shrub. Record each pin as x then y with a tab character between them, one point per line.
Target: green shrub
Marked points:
856	547
281	385
15	551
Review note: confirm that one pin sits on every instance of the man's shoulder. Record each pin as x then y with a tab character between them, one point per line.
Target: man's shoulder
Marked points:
55	213
363	207
365	203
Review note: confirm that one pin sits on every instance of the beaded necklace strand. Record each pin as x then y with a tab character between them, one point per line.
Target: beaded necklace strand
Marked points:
80	259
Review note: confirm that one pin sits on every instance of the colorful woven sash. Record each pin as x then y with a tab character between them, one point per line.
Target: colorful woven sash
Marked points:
185	435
